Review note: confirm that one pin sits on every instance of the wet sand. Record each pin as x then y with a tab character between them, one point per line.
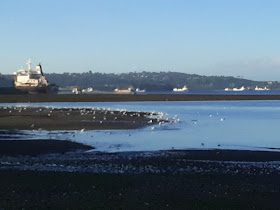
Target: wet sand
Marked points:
38	147
126	97
34	118
143	180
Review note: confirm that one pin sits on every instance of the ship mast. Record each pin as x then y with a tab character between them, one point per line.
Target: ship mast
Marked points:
29	64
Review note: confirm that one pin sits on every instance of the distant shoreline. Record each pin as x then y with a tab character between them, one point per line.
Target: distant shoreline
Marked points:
30	98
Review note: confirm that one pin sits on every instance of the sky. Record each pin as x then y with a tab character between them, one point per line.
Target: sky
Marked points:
205	37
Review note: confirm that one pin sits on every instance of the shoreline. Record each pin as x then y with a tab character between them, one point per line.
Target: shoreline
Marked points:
31	98
39	147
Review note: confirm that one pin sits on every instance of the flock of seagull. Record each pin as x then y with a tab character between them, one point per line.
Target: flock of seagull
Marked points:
158	118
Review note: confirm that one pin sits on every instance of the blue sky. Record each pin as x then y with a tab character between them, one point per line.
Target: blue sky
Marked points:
206	37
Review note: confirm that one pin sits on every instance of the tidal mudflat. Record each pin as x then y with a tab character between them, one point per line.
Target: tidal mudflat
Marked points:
202	177
42	118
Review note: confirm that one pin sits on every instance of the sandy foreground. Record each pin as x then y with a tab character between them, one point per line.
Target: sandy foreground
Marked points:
57	174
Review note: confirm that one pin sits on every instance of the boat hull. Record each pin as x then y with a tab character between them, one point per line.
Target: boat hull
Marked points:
50	89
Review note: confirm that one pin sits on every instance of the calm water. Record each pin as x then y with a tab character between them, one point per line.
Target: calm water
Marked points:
199	125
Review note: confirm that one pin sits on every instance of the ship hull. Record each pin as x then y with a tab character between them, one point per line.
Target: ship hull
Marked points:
50	89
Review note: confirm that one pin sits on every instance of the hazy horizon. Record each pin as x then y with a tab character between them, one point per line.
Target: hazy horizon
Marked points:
211	38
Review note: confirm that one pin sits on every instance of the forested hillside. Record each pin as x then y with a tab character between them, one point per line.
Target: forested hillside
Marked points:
146	80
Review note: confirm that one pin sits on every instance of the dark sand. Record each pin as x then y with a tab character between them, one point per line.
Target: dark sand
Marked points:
143	180
30	118
127	97
38	147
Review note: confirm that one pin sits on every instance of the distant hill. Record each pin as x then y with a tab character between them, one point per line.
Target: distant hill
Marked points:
6	81
147	80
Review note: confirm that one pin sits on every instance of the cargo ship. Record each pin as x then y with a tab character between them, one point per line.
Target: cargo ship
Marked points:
33	80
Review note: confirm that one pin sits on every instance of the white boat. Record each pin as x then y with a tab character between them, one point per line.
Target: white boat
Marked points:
87	90
239	89
138	90
76	90
33	80
260	89
181	89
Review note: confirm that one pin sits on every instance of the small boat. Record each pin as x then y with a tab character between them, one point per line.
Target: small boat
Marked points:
138	90
87	90
181	89
76	90
124	91
260	89
239	89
